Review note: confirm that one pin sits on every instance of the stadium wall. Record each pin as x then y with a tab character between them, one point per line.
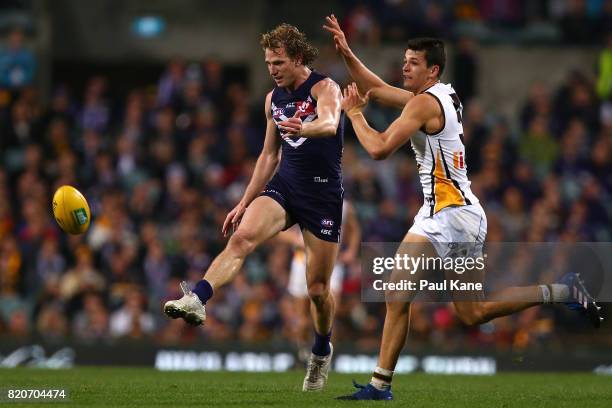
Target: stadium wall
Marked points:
280	358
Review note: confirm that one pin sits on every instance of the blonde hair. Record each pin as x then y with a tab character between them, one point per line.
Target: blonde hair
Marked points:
292	40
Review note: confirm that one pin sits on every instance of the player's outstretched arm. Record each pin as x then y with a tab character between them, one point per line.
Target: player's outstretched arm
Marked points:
328	96
416	113
367	81
267	163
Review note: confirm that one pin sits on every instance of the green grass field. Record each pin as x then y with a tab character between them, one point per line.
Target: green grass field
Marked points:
126	387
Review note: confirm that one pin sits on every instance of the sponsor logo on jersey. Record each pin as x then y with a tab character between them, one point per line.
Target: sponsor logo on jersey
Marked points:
458	160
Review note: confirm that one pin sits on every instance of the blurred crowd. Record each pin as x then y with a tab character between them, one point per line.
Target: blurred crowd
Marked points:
162	166
566	21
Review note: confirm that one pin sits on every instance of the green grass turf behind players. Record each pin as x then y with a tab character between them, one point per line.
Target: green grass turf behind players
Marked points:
131	387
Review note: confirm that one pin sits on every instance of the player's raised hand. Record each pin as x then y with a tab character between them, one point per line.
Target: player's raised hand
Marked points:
293	125
352	101
233	219
333	27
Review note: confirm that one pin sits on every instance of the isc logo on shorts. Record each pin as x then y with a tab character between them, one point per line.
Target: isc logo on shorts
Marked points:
326	231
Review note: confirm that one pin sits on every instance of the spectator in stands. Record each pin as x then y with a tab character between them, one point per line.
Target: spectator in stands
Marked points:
49	261
19	324
539	103
465	73
212	71
91	323
18	131
82	278
95	113
604	81
52	324
132	320
537	147
397	18
157	269
170	83
506	13
434	22
17	63
576	25
361	26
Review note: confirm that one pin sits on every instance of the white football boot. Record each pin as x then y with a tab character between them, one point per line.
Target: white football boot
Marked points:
189	307
317	370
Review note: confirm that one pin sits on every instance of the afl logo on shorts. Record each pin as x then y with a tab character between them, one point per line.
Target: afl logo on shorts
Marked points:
327	223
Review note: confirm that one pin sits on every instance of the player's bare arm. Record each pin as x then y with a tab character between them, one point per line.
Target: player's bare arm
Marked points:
328	96
422	110
367	81
267	162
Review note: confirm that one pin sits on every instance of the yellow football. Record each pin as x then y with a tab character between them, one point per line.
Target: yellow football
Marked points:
71	210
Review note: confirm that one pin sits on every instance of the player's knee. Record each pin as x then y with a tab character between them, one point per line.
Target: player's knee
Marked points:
318	292
242	243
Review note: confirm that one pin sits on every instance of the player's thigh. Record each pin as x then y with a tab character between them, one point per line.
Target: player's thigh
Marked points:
263	218
417	241
413	246
320	258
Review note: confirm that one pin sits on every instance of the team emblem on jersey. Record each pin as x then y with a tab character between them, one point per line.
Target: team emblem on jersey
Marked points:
308	113
306	108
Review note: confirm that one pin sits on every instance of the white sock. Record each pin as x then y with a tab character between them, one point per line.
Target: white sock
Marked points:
560	292
545	293
381	378
555	293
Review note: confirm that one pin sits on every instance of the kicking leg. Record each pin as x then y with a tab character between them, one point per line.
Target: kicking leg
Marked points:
262	219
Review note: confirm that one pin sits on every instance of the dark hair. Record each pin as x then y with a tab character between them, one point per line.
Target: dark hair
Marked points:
434	51
293	40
